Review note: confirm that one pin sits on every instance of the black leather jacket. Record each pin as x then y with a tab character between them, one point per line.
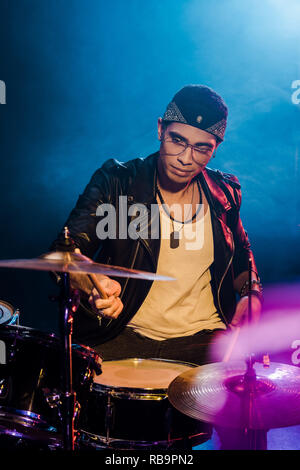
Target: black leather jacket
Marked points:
136	180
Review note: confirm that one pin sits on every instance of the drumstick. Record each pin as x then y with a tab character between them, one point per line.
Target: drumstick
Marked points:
232	344
97	285
93	278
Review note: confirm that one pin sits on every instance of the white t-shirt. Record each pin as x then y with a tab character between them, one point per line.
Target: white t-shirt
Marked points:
184	306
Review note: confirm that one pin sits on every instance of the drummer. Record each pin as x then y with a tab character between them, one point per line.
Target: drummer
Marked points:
171	214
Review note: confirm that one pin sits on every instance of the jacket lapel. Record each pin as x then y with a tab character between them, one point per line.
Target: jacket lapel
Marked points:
142	189
216	197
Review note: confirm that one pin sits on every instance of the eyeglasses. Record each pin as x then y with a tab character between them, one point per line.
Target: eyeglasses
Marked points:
174	146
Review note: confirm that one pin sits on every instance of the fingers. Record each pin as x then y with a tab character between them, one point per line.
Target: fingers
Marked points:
114	310
104	285
111	287
111	307
104	297
107	286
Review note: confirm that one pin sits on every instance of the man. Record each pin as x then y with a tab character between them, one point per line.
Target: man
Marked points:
207	251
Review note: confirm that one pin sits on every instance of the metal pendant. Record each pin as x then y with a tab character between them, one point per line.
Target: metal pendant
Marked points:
174	239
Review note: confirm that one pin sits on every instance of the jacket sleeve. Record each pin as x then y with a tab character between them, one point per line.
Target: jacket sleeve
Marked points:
242	250
82	220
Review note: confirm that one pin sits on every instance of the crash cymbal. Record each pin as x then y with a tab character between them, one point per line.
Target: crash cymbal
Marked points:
70	262
215	393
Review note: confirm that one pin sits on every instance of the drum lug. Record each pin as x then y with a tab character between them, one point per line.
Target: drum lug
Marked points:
4	388
53	398
109	417
77	409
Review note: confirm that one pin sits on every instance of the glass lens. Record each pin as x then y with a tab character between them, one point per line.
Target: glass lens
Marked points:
174	148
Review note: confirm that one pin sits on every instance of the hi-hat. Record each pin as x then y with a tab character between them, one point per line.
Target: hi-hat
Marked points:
215	393
70	262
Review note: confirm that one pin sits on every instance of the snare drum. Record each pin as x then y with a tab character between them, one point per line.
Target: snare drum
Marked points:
128	408
8	316
30	384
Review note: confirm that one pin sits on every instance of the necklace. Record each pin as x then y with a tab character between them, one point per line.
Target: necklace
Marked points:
174	235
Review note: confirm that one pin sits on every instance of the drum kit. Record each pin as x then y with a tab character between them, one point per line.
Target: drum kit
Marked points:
58	395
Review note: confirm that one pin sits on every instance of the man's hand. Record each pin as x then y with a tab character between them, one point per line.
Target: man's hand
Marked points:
241	312
112	306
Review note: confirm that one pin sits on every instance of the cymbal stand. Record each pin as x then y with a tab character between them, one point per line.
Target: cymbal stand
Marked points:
249	379
249	292
67	305
250	388
68	397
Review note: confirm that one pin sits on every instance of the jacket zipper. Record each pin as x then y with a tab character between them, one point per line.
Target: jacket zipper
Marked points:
220	285
131	267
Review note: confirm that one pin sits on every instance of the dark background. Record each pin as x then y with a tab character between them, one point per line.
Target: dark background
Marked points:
87	80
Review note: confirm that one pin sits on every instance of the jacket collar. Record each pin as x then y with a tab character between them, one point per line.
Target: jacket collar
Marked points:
143	187
214	194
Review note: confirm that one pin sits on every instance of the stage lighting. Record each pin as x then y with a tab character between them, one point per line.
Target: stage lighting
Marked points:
289	13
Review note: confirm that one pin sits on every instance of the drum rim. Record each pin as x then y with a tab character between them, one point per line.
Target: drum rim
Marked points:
31	420
28	333
135	393
95	440
7	304
28	426
12	312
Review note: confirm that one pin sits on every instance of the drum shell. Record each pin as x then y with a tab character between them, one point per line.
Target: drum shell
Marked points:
136	417
31	374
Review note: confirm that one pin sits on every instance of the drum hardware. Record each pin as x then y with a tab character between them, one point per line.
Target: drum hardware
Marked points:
247	385
67	306
247	394
128	408
25	418
8	316
4	388
53	398
69	262
109	415
134	394
26	430
250	291
217	393
65	262
31	402
250	392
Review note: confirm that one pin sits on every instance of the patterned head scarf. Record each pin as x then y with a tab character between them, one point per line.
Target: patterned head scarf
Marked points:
201	107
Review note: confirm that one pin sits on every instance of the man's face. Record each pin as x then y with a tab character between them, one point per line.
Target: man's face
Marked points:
183	167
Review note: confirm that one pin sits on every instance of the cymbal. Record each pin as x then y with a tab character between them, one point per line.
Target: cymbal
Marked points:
215	393
70	262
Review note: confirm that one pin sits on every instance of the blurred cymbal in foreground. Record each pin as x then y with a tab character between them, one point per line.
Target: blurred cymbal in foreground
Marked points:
215	393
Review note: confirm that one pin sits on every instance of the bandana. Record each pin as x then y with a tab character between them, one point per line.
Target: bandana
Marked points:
199	106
